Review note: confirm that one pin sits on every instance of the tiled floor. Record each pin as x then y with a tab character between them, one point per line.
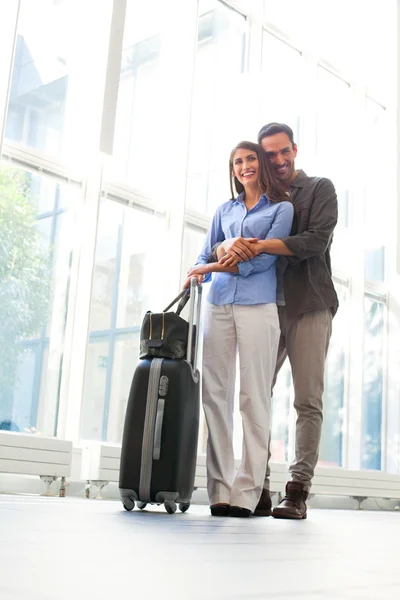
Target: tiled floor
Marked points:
67	548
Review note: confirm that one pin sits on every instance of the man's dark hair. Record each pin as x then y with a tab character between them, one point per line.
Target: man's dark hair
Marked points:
273	129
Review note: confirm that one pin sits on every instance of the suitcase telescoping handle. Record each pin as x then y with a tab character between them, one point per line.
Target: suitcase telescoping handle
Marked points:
194	322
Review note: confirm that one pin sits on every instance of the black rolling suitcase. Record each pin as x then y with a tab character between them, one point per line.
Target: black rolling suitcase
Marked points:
159	445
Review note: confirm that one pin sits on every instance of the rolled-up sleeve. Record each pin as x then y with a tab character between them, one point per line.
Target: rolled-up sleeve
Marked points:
280	227
322	222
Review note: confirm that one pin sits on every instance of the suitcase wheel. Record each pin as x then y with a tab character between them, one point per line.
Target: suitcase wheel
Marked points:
184	506
141	505
129	505
170	507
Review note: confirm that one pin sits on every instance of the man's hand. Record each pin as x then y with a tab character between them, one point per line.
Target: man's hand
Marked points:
199	278
228	261
257	247
252	245
240	248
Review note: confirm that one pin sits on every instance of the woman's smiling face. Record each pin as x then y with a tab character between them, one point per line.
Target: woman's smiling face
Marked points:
246	167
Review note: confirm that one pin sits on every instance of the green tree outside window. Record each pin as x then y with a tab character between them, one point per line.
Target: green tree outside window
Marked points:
24	279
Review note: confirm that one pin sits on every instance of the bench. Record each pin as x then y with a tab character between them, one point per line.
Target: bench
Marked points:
358	485
329	481
100	466
46	457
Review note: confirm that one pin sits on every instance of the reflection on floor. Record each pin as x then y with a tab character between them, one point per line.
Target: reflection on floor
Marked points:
67	548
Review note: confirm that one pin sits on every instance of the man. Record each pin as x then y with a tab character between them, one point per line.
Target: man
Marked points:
307	301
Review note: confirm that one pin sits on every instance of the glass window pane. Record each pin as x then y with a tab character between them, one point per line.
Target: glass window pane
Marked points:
126	355
127	280
335	373
40	78
314	25
334	113
124	278
140	276
216	124
35	256
94	392
42	194
373	357
8	23
374	267
140	98
340	250
281	400
281	70
109	236
47	106
193	239
376	186
16	407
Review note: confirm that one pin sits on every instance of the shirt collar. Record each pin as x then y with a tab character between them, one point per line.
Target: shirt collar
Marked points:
240	198
300	180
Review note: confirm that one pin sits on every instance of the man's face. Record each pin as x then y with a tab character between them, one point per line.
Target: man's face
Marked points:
282	154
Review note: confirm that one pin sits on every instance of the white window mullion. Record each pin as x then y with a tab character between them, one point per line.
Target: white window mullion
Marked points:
8	35
393	379
253	66
33	160
77	326
308	116
393	346
83	119
354	392
397	113
176	108
112	81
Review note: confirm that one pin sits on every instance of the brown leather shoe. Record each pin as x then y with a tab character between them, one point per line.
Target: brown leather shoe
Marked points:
263	508
293	506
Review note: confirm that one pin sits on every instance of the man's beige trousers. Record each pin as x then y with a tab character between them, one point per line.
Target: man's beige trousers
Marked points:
305	341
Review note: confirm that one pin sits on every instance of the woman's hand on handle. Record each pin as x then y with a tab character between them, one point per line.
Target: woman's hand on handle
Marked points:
199	278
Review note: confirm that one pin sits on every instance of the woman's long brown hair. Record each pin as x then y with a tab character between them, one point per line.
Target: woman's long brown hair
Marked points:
267	179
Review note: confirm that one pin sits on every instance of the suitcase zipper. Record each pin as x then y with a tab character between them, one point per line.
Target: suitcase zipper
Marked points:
148	431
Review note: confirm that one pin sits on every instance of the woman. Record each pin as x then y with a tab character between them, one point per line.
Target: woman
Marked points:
241	315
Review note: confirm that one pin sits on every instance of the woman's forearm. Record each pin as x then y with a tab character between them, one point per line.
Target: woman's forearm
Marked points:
217	268
211	268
